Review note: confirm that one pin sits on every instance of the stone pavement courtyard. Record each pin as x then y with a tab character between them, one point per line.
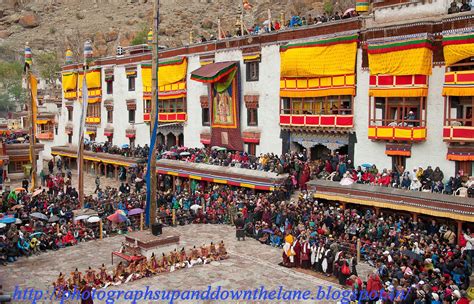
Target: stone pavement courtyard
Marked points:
250	265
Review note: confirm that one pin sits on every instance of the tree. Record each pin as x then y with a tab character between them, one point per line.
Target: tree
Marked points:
48	67
328	7
12	92
141	36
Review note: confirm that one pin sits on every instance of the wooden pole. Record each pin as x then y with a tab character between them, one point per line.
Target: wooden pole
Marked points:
32	140
191	37
141	221
358	251
57	228
219	29
100	230
154	105
174	217
269	21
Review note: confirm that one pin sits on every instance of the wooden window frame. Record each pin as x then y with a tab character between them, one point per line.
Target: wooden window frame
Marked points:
208	121
252	117
252	70
131	84
403	106
93	110
324	104
130	119
464	104
109	87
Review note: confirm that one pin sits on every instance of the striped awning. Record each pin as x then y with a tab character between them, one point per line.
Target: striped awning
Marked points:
214	72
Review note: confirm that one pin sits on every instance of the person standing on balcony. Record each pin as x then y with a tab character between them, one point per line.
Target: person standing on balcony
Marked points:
410	119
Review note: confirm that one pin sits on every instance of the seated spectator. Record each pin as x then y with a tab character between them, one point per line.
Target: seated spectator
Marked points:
453	8
465	7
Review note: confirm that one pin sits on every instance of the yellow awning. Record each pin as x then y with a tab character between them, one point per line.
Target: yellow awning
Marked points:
335	56
400	92
458	91
416	61
69	81
93	80
42	121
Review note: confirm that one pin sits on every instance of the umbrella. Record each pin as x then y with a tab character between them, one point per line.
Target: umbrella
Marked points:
37	192
348	11
267	231
35	234
346	181
20	189
184	153
137	180
135	211
118	217
53	219
412	255
39	215
215	147
195	207
170	153
19	206
20	139
7	219
93	219
125	146
81	217
367	165
18	221
3	225
221	149
85	211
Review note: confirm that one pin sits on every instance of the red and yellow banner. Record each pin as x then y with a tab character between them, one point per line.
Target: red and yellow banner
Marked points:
324	57
403	55
457	46
398	86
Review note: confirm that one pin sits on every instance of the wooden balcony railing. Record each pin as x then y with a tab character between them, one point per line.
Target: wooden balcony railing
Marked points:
397	133
45	136
337	121
167	117
458	133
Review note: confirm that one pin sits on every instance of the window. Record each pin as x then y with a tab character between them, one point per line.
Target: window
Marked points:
131	115
110	87
398	111
17	166
110	116
131	84
172	105
252	117
132	143
44	128
69	114
252	70
147	106
92	137
458	111
93	109
252	149
69	138
206	121
327	105
109	139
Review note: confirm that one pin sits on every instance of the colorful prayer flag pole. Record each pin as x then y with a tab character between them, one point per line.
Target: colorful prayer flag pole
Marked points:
32	88
88	53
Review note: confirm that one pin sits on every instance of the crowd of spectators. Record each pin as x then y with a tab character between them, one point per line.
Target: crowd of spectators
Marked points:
338	168
297	20
405	253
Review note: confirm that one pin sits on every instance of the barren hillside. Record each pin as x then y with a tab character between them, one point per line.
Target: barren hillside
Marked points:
54	25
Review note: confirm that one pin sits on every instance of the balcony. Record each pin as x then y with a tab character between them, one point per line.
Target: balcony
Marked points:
326	121
458	133
45	136
167	117
397	133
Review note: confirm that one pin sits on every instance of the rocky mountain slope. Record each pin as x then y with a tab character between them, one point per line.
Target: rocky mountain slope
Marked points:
54	25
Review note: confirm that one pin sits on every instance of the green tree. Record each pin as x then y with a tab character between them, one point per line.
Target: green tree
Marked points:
12	92
141	36
328	7
48	66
